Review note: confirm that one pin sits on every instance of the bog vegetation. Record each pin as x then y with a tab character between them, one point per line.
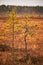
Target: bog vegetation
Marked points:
14	27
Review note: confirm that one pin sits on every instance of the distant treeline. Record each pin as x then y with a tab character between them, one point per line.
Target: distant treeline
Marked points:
22	9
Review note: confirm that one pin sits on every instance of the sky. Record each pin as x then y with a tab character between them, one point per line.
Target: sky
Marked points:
22	2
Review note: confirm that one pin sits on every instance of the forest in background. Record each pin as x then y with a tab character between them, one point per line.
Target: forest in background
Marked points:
22	9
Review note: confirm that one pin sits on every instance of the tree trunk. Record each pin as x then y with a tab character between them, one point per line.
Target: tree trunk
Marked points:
25	39
13	43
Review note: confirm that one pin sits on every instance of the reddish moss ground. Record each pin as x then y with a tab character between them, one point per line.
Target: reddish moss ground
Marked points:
34	44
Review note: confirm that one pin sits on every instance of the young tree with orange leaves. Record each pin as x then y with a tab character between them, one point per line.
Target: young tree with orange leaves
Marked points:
29	29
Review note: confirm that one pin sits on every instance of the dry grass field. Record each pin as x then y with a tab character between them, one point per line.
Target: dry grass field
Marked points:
34	41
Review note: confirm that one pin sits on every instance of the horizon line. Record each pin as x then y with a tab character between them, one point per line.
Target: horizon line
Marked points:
21	5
